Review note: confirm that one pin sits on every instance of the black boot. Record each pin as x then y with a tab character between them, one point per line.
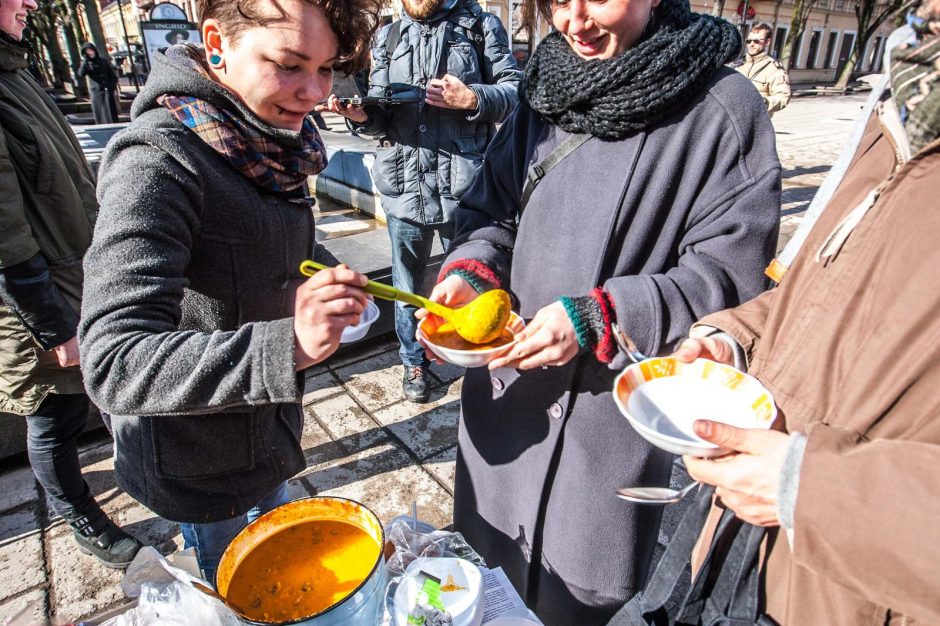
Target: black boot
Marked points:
104	540
414	382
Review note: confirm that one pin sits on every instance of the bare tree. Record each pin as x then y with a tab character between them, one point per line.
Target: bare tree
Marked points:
870	14
44	25
791	48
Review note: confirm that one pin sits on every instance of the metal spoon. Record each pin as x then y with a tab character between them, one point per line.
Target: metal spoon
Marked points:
212	593
655	495
626	345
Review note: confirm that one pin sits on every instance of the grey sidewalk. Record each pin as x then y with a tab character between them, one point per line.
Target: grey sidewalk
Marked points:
361	439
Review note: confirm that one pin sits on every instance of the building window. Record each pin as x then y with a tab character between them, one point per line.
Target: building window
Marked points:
874	60
831	49
813	49
780	38
848	40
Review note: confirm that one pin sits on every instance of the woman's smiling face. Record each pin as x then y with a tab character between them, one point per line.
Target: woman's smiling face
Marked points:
13	16
601	29
282	69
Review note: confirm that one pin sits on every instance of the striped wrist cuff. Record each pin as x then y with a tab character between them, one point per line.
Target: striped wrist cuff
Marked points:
478	274
592	316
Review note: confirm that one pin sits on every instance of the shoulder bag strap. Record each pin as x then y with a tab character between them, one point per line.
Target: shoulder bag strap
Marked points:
537	172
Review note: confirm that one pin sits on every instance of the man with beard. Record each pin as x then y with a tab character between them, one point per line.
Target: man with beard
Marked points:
458	59
765	72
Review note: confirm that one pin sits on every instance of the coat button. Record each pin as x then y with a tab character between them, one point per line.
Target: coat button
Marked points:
423	128
497	384
556	411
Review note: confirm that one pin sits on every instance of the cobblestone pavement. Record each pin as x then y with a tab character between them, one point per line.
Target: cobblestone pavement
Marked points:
361	439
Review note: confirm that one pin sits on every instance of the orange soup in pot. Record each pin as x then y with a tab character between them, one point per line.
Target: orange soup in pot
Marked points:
302	570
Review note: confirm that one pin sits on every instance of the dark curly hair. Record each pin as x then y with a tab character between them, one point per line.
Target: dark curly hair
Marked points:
353	22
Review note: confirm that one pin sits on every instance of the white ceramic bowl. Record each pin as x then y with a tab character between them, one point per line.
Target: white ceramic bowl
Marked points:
466	358
662	397
357	332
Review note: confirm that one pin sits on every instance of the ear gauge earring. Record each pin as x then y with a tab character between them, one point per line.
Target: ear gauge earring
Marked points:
215	60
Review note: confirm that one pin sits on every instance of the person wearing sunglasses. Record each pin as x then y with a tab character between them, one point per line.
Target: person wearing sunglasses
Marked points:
765	72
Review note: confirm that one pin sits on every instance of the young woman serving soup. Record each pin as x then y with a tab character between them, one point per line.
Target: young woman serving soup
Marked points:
197	323
662	206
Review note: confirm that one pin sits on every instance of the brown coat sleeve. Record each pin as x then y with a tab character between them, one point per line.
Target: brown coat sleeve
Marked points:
744	323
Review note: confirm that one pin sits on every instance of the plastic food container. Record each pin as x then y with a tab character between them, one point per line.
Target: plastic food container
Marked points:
464	602
466	358
357	332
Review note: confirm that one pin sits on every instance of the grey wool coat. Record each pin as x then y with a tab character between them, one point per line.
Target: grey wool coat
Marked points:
186	333
436	152
674	222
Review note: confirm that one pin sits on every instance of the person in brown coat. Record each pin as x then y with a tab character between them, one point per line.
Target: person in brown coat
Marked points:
849	345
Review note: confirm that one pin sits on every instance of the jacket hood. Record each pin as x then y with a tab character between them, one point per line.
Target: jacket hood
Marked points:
13	53
89	46
176	72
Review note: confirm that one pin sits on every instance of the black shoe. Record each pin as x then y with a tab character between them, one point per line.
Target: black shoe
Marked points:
414	382
104	540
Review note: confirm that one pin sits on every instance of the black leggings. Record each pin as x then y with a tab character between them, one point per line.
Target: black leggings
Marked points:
51	437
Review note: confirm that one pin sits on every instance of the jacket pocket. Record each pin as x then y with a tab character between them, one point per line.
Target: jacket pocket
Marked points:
465	162
388	170
462	62
202	446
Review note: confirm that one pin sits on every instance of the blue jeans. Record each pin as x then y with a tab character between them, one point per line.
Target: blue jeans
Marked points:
411	252
210	540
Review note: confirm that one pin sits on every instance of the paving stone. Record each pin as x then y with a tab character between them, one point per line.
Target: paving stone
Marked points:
21	552
426	429
314	440
375	382
347	424
35	604
321	386
17	486
81	586
443	467
386	480
447	372
366	352
150	528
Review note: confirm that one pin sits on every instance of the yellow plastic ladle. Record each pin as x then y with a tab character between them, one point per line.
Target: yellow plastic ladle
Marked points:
479	321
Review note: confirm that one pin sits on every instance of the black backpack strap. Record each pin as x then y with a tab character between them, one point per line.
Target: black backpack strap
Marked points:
537	172
393	39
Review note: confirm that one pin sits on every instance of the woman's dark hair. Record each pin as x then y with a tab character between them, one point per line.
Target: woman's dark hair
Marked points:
353	22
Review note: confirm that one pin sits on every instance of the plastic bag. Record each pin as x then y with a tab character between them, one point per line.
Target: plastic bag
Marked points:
408	540
166	596
412	540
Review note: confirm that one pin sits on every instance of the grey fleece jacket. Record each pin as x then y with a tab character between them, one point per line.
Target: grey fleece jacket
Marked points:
186	333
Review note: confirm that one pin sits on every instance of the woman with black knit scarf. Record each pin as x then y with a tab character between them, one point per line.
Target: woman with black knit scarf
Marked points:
667	210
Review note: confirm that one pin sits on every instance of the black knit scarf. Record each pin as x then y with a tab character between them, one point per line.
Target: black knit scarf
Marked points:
612	98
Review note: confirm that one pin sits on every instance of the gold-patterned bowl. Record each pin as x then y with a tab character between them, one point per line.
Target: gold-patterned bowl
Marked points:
662	397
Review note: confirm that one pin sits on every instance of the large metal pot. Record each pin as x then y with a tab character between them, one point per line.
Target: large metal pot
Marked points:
362	607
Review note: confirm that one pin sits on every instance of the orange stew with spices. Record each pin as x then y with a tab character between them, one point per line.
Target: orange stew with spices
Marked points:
302	570
447	337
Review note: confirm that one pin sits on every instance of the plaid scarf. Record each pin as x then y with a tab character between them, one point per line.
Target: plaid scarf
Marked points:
915	79
258	157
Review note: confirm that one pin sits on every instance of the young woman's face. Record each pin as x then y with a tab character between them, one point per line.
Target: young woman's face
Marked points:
601	29
13	16
280	70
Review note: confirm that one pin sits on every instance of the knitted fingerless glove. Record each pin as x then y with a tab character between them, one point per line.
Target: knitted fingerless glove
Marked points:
592	316
477	273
